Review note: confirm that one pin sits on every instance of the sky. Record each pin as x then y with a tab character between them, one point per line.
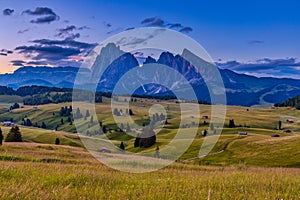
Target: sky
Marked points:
258	38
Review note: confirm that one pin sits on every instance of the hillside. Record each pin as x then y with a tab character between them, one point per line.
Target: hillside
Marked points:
235	167
259	123
60	172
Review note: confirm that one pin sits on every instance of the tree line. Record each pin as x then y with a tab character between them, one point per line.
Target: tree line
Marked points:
291	102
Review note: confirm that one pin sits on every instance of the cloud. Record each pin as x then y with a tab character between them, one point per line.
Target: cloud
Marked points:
138	40
186	30
18	63
40	11
48	52
45	20
67	32
153	21
55	52
83	27
5	52
130	28
255	42
176	25
23	31
37	63
8	12
288	67
47	15
107	24
159	22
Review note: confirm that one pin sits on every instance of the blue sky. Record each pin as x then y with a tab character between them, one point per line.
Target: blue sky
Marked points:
250	33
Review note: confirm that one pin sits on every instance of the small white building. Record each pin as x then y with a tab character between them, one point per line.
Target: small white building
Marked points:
8	123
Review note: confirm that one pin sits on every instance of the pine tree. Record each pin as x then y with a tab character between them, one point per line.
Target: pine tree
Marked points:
87	113
1	137
43	125
122	146
14	135
211	126
279	125
137	141
130	112
231	123
57	141
92	119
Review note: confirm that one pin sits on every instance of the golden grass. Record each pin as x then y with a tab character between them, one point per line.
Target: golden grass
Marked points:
86	178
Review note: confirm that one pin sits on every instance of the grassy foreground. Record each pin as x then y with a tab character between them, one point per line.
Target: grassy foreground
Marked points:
44	171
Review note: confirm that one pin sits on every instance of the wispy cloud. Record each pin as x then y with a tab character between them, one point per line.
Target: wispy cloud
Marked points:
23	31
288	67
46	15
159	22
18	63
67	32
255	42
186	30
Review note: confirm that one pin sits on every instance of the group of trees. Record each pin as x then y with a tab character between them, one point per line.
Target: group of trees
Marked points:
65	111
27	122
14	135
118	112
14	106
39	95
146	139
291	102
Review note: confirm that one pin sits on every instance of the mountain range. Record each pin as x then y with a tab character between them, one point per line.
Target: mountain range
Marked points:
241	89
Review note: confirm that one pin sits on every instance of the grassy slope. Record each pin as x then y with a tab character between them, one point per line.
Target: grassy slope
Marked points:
47	171
256	149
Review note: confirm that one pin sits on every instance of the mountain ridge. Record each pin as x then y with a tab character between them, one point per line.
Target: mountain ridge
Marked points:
241	89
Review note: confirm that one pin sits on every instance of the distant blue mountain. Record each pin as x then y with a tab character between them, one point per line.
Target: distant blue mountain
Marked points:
240	89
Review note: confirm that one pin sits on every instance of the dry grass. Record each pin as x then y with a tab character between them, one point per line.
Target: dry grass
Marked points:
86	178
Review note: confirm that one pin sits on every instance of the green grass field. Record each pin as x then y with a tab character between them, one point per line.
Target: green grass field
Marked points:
47	171
256	166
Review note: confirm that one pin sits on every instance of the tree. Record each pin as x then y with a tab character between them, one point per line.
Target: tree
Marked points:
87	113
122	146
137	141
43	125
57	141
62	121
1	137
128	129
78	114
231	123
92	119
104	129
130	112
14	135
211	126
27	122
279	125
148	138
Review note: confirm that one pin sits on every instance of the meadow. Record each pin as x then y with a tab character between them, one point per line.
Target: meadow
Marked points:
256	166
39	171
